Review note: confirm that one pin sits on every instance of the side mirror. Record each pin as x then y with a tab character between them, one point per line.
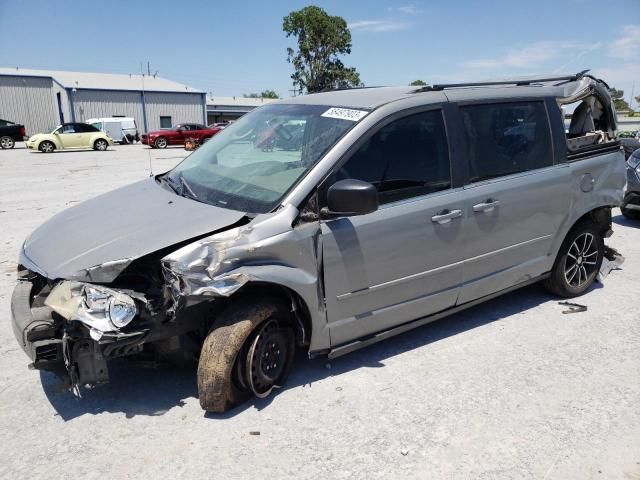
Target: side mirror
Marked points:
350	197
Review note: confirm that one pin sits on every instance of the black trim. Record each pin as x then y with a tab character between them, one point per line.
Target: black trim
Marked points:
558	135
343	349
594	151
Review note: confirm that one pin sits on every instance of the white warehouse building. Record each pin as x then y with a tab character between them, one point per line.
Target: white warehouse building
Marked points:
41	99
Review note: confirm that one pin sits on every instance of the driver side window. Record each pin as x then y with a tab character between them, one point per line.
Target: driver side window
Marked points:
407	158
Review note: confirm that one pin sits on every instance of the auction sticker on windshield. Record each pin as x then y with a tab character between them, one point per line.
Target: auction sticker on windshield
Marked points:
345	114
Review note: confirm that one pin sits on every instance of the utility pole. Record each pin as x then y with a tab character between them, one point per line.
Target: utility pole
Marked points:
148	69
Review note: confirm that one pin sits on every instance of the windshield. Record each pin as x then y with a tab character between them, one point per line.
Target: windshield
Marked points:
251	164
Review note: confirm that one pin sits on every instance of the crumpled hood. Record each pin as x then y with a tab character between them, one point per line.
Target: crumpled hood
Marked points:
116	228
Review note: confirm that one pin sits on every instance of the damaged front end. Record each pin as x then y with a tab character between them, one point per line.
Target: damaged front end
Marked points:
161	304
72	328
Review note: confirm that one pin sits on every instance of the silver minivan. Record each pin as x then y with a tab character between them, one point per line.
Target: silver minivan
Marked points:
398	206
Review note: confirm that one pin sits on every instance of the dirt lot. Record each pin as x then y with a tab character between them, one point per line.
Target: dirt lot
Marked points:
510	389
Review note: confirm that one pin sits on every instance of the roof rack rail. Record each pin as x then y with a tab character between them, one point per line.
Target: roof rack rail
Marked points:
519	83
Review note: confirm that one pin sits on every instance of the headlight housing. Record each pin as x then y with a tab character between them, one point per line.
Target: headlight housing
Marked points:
100	308
115	307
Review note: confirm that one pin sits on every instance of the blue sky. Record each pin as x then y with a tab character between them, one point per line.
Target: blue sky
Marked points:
231	48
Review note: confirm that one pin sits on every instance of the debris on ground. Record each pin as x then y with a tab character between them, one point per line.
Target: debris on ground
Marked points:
255	433
573	307
611	261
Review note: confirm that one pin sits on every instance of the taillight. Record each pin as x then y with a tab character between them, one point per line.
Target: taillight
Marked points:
23	132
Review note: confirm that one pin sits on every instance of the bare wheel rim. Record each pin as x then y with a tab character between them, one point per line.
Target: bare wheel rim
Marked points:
6	142
266	359
582	260
101	145
47	147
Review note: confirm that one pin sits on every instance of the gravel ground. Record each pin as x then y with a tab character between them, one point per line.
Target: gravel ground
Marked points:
510	389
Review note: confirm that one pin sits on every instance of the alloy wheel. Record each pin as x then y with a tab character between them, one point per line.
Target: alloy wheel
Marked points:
6	142
582	259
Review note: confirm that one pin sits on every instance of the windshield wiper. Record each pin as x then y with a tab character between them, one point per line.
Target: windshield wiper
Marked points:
181	187
185	186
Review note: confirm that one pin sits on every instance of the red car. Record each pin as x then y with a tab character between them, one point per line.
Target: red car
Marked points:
178	134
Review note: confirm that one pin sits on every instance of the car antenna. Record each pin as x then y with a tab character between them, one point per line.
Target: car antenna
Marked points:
150	166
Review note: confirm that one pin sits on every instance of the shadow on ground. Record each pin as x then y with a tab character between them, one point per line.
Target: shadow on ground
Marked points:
142	391
625	222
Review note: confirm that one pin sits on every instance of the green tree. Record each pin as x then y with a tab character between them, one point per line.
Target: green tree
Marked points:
418	83
264	94
618	100
269	94
321	39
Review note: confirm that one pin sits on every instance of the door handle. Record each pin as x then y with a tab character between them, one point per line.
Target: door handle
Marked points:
487	206
446	216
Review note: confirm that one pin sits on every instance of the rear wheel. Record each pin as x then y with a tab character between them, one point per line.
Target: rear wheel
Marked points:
578	261
7	142
248	352
47	147
160	142
100	145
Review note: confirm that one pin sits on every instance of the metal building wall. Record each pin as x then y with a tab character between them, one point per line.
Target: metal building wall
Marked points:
181	107
107	103
30	101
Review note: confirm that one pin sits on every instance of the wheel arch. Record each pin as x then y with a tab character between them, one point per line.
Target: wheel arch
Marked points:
287	296
55	142
98	136
600	216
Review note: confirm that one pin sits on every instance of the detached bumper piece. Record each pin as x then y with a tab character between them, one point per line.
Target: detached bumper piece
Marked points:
36	331
41	334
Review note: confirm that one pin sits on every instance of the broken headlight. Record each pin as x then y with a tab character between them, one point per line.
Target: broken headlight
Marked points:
98	307
119	309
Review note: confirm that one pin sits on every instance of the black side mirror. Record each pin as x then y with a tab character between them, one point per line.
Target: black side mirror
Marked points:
350	197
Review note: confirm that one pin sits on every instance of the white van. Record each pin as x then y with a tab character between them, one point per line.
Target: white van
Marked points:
121	129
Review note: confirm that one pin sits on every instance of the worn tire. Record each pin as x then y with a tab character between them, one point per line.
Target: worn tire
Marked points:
630	214
46	147
7	142
161	142
557	282
220	386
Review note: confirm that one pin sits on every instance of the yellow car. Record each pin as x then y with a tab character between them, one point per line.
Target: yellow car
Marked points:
70	136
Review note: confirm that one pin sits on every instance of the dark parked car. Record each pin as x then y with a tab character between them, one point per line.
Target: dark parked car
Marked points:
631	204
178	135
10	133
629	146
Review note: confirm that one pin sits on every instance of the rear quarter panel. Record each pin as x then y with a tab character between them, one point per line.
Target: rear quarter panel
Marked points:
597	181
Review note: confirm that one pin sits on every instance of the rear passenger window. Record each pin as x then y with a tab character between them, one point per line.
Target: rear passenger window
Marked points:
506	138
407	158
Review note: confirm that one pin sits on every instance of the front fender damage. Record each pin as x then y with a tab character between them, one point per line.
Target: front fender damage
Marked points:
273	250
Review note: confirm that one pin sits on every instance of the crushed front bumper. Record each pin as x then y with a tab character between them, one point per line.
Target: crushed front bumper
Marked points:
36	330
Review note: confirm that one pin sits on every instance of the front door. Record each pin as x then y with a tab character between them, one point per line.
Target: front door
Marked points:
405	260
70	136
517	199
